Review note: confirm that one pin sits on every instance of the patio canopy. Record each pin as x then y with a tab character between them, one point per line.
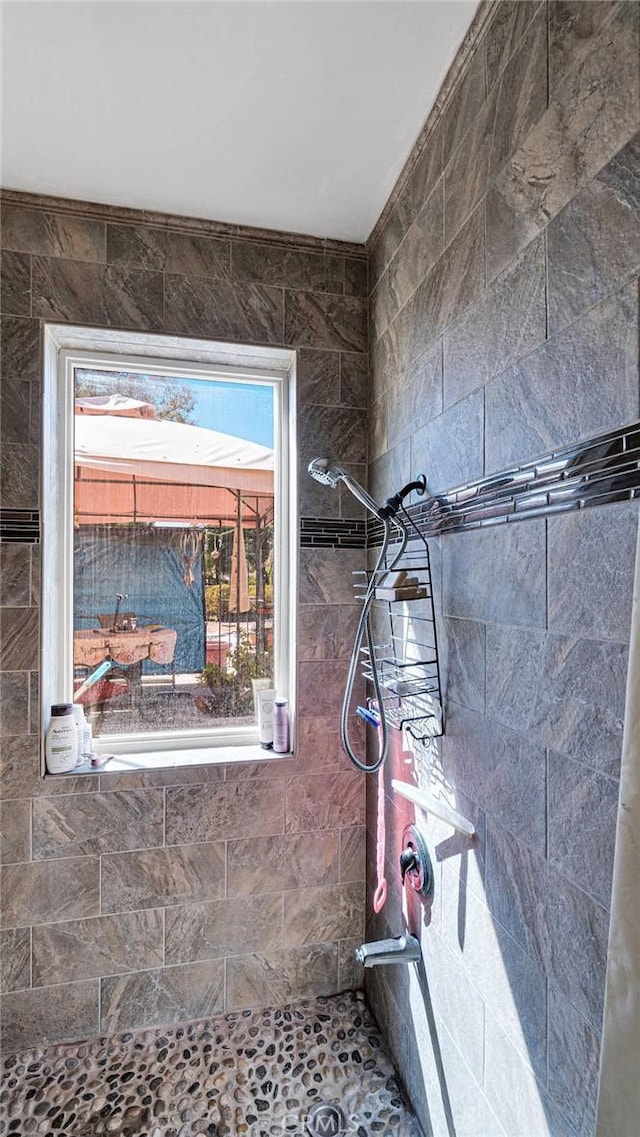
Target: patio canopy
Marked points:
147	469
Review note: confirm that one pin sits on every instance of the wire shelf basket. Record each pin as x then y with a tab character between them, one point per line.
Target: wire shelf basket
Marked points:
406	659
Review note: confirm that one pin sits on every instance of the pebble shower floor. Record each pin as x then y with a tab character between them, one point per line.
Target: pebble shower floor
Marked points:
246	1074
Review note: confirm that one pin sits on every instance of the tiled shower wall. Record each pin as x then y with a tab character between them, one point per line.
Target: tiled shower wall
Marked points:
504	324
145	898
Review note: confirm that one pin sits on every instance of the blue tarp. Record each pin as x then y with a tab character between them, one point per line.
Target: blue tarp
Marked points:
147	566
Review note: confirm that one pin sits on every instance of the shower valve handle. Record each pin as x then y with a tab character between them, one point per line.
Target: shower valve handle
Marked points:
409	862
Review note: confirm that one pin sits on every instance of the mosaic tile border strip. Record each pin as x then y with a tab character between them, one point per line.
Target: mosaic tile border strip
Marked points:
332	533
20	526
602	470
248	1072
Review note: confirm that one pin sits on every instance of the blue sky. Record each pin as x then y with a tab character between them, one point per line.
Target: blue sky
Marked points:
241	409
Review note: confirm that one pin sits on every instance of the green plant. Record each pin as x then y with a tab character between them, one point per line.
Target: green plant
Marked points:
228	693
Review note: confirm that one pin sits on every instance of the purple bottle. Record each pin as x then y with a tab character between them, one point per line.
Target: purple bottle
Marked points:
281	726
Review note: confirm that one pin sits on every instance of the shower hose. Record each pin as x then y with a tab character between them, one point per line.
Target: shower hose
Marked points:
364	633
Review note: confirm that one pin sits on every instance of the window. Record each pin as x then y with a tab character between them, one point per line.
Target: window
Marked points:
167	556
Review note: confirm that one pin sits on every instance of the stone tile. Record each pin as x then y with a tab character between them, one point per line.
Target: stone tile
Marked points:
511	984
508	321
574	26
455	1000
574	1056
522	91
419	251
451	287
354	379
425	173
165	995
513	1091
391	471
14	711
20	476
224	928
396	226
324	801
465	102
450	448
173	776
52	234
465	675
20	348
90	293
356	277
339	432
323	914
500	769
391	354
297	860
378	429
42	892
350	972
583	810
15	832
591	569
594	111
353	854
318	745
581	383
196	305
326	575
289	268
563	929
15	959
594	243
81	824
137	246
507	584
318	378
15	412
66	1013
197	256
157	878
20	768
467	173
566	693
314	319
318	631
221	812
322	695
15	284
265	979
505	32
105	945
417	396
15	573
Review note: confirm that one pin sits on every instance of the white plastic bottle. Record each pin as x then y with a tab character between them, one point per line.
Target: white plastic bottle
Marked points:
85	736
280	727
61	742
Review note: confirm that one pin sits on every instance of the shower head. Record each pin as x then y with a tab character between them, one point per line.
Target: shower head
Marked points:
330	474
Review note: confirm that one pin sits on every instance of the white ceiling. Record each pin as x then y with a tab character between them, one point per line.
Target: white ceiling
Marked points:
289	115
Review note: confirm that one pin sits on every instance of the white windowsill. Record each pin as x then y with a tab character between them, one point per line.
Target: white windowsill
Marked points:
176	760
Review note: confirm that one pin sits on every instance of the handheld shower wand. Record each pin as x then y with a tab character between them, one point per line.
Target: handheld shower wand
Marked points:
330	474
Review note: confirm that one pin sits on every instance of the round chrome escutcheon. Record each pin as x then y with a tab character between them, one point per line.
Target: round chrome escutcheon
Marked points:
326	1120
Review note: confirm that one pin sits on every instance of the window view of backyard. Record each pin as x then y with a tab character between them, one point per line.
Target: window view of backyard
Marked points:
173	550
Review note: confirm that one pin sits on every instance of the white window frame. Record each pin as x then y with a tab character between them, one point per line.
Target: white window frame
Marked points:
67	349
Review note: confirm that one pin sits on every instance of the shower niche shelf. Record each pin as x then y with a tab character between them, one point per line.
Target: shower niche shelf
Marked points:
405	646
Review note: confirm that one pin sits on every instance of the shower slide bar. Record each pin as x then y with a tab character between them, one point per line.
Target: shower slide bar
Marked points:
439	809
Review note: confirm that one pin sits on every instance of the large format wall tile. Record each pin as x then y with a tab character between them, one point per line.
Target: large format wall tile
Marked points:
218	309
505	32
449	449
574	1055
220	812
15	832
267	979
417	396
324	914
507	584
289	268
325	801
20	348
97	823
420	249
46	891
96	294
322	320
266	864
15	284
53	234
594	243
582	811
564	692
591	571
162	877
68	1012
167	994
104	945
514	1092
464	645
15	959
224	928
582	382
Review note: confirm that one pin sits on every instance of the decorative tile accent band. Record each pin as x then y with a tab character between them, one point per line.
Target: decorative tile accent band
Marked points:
601	470
20	526
332	533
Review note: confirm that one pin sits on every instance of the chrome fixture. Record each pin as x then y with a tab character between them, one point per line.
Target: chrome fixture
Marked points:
400	949
415	862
